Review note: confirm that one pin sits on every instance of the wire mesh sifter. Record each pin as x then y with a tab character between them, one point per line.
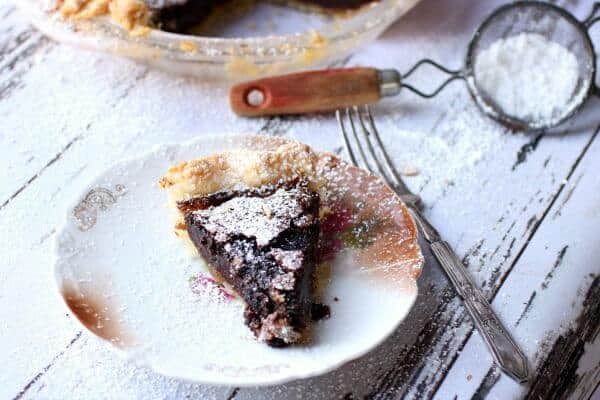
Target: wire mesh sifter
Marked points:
334	89
555	24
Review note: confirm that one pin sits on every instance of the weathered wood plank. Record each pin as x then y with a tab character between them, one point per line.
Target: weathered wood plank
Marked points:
497	274
25	390
558	375
514	227
59	96
549	301
588	371
99	374
114	109
126	114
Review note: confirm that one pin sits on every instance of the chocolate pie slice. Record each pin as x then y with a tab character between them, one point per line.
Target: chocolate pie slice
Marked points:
251	215
263	242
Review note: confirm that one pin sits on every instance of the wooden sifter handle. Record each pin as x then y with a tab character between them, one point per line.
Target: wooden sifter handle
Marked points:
306	92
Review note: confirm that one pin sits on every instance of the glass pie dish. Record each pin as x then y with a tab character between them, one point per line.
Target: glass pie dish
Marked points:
249	50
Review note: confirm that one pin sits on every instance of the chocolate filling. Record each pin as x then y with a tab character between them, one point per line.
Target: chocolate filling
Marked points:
263	242
180	16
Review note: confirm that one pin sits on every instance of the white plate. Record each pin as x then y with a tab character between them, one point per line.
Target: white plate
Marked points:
125	275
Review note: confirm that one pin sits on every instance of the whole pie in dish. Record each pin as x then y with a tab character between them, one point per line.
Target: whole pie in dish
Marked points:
264	216
179	15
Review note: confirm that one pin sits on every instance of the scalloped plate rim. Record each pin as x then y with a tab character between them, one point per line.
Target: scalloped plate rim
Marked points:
264	380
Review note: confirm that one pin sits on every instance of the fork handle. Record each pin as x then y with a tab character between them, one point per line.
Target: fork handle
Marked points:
306	92
503	347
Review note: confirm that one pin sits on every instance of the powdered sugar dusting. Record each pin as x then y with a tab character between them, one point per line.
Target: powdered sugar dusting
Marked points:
261	218
528	76
204	285
376	230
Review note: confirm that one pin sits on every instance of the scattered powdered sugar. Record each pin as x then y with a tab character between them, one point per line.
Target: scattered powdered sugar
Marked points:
528	76
258	217
206	286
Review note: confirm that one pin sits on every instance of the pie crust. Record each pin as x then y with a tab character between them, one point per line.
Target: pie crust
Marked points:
389	243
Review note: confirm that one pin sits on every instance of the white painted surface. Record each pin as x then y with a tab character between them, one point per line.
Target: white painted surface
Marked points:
68	114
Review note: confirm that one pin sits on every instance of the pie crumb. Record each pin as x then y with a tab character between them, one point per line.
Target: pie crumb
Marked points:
410	170
188	46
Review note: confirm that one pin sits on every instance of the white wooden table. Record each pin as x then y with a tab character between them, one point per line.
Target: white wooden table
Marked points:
523	210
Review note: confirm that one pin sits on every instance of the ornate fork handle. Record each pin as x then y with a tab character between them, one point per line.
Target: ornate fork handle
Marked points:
506	352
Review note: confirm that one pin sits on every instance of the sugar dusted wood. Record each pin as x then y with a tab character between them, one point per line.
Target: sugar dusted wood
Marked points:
521	214
307	92
554	265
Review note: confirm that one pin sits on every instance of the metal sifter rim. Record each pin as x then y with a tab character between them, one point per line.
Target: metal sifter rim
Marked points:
582	26
466	72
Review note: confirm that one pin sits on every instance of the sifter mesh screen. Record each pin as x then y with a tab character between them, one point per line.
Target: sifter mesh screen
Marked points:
553	24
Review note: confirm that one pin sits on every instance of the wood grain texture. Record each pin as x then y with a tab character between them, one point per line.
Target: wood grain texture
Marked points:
306	92
557	376
527	194
572	271
73	114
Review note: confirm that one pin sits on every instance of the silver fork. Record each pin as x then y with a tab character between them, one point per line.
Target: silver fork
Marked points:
503	347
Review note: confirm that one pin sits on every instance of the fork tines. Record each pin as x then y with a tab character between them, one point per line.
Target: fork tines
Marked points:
369	147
